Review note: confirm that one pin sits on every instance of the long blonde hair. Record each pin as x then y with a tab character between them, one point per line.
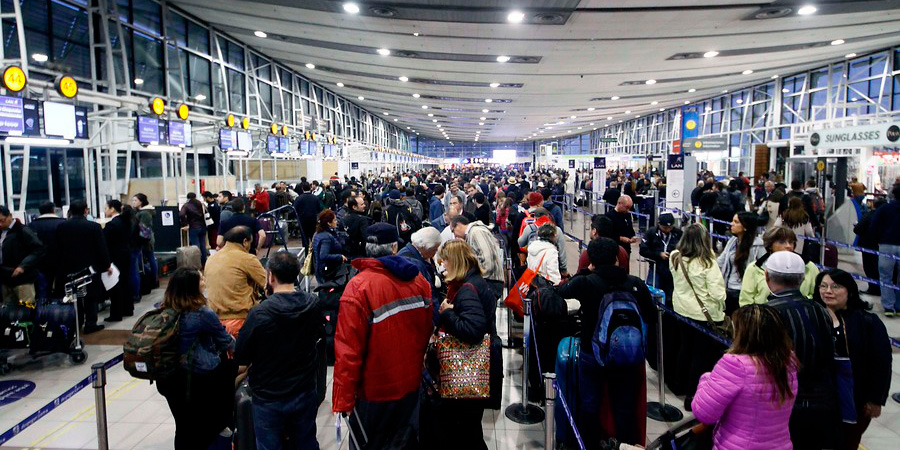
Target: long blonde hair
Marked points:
695	243
461	258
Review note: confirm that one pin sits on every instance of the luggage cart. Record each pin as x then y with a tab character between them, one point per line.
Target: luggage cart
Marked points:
47	326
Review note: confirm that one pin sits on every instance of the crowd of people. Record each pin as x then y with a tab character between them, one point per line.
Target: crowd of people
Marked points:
420	258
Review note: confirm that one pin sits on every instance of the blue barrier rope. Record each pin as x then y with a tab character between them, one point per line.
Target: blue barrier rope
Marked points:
704	330
534	340
53	404
560	396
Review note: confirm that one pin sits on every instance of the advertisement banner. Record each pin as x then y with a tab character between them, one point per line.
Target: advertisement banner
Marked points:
690	121
675	182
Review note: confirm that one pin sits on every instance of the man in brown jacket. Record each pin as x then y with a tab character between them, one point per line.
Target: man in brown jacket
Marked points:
233	277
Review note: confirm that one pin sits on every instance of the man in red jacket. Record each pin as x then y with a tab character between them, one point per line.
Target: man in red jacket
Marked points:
382	332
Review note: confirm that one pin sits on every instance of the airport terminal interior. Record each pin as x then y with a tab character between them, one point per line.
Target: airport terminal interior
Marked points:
166	162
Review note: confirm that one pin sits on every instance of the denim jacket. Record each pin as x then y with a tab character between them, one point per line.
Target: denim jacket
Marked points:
203	337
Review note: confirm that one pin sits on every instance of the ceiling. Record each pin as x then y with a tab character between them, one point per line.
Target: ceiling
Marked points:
565	57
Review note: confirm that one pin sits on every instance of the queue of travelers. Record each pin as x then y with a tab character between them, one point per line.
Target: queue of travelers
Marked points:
422	259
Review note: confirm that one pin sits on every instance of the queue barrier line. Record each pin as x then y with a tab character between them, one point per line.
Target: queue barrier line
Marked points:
53	404
561	398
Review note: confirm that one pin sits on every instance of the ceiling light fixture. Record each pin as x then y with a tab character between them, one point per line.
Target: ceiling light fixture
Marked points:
403	79
383	52
424	106
692	90
482	118
848	55
484	110
591	108
480	123
340	84
310	66
199	97
488	100
573	117
387	113
747	72
515	17
260	34
138	81
775	77
725	91
628	112
687	102
711	54
662	109
650	82
430	115
614	97
39	57
361	97
654	102
837	42
495	85
609	118
395	120
806	10
351	7
502	59
434	120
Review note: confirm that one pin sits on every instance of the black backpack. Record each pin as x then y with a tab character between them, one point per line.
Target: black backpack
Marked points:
406	222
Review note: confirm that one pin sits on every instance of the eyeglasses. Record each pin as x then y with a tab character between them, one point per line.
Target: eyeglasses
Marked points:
833	287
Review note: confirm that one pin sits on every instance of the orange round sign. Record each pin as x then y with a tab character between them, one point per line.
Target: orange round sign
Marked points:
66	86
245	123
14	78
285	130
183	111
229	120
274	128
158	105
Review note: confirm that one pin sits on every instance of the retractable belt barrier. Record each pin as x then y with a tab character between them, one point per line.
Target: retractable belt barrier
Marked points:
53	404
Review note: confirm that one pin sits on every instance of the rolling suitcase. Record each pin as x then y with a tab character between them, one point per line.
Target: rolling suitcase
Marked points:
244	435
266	225
54	327
15	326
567	379
188	257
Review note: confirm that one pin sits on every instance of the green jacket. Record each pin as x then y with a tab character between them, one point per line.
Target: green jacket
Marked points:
754	288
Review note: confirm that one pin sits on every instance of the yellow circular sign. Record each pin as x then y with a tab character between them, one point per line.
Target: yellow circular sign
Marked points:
698	144
229	120
820	165
158	105
284	130
14	78
274	128
183	111
245	123
66	86
691	124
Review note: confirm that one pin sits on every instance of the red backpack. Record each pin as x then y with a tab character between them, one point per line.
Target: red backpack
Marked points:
530	219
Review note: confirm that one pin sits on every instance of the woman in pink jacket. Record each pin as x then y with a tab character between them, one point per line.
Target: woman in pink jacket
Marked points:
750	392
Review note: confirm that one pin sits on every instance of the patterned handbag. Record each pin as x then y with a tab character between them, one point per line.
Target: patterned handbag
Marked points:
465	369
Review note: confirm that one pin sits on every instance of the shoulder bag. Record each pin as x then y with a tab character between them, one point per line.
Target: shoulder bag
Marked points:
726	328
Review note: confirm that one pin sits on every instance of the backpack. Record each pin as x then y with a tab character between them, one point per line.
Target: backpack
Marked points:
406	222
818	205
530	219
151	351
619	336
723	202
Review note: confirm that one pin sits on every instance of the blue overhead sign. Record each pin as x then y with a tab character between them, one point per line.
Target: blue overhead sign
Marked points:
690	121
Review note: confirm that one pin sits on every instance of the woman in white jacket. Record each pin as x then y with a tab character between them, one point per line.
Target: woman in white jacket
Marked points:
543	257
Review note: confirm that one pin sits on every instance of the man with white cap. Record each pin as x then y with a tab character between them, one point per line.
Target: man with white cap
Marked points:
816	416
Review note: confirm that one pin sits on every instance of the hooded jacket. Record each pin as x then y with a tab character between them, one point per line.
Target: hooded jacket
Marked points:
754	288
286	370
382	332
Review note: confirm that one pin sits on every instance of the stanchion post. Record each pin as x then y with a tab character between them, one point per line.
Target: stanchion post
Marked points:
99	384
524	412
655	212
549	408
660	411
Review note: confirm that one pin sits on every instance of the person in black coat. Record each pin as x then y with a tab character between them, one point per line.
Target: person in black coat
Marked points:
623	224
468	314
82	246
308	207
21	254
658	243
355	224
45	227
869	241
119	235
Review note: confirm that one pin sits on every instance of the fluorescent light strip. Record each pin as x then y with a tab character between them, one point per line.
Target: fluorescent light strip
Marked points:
36	141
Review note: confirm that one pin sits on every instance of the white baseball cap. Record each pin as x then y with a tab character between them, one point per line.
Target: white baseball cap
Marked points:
786	262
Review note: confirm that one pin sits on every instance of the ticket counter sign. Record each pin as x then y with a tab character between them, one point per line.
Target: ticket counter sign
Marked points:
877	135
705	144
12	115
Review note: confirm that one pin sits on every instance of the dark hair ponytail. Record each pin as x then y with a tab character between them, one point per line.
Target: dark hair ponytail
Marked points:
745	242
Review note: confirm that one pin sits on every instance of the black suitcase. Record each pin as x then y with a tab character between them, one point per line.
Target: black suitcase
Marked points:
331	318
54	327
15	326
244	435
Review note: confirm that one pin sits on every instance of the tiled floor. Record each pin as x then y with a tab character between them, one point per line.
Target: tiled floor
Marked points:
140	419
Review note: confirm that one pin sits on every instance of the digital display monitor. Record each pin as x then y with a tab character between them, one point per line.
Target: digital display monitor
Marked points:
227	139
59	120
12	115
180	133
147	130
284	144
32	116
312	148
81	122
244	141
272	144
163	128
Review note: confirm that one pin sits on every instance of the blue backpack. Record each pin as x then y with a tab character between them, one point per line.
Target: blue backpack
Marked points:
619	337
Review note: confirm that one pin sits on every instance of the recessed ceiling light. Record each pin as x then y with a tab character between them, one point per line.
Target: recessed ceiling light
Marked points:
488	100
711	54
199	97
430	115
740	101
484	110
591	108
654	102
614	97
692	90
573	117
725	91
480	123
416	34
849	55
361	97
408	128
434	120
138	81
502	59
340	84
637	116
416	95
628	112
260	34
383	51
774	77
39	57
609	118
403	79
806	10
578	128
482	118
687	102
351	8
592	123
662	109
495	85
387	113
837	42
650	82
424	106
785	90
747	72
395	120
515	17
310	66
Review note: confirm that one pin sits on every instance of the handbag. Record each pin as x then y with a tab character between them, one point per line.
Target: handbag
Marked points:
307	269
697	438
515	298
465	369
844	383
206	217
725	328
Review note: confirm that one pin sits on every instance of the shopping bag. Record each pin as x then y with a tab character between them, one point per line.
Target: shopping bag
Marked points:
515	298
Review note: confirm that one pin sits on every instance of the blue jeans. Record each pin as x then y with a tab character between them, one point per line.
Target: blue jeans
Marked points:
886	266
293	417
197	236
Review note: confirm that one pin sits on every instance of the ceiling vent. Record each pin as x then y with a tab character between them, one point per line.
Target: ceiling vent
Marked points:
633	83
383	11
406	54
549	19
680	56
773	13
